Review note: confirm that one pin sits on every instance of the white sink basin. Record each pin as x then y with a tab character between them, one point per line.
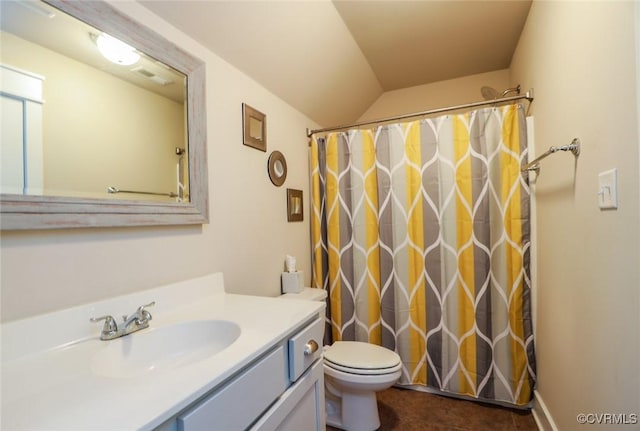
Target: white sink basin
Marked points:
154	350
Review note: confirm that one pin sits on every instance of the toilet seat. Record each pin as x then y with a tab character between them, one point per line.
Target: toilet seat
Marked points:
361	358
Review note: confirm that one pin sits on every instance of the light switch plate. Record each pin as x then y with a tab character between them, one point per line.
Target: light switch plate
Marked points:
608	189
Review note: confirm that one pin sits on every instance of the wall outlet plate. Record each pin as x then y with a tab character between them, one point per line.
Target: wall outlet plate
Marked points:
608	189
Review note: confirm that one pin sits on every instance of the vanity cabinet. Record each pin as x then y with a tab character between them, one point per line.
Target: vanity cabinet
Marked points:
182	374
281	390
300	408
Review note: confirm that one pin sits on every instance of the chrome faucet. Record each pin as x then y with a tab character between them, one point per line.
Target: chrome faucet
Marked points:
137	321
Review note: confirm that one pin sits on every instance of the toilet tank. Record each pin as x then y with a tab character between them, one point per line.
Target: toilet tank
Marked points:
308	294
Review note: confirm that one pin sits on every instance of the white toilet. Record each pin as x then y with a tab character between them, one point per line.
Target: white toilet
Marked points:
354	371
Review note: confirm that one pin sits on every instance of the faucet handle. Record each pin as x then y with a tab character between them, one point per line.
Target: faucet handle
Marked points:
144	315
142	307
110	325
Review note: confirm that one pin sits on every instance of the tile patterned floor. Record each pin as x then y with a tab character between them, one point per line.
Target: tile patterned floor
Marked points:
407	410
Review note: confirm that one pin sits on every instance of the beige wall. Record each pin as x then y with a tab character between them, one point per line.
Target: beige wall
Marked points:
248	235
92	138
437	95
580	59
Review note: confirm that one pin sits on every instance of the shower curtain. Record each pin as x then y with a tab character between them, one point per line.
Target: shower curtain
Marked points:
420	235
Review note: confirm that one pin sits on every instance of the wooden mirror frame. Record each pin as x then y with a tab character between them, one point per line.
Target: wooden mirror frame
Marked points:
19	212
295	205
276	177
249	113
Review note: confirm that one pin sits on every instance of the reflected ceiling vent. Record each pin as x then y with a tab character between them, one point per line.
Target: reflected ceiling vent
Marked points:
140	70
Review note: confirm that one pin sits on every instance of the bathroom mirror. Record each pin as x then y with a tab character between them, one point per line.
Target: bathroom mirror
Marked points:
277	168
181	195
294	205
254	128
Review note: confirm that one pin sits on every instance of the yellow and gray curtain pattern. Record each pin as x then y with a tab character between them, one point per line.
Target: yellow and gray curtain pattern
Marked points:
420	235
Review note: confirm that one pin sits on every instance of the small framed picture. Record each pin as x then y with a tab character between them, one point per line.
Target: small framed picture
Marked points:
295	206
254	128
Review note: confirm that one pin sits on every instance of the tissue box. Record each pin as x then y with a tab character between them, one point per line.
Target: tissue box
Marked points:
292	282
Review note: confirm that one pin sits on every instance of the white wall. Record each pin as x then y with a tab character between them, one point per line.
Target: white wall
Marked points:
580	59
248	235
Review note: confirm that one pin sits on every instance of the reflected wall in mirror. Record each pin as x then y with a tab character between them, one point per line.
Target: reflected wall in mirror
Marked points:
95	127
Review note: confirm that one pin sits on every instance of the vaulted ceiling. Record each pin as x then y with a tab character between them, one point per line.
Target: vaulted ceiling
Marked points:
332	59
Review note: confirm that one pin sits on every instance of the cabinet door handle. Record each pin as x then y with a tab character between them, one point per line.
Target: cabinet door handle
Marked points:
310	348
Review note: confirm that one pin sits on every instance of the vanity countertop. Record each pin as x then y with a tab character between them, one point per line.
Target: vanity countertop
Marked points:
52	380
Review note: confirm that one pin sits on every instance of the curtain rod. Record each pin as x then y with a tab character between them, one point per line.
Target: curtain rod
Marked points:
528	95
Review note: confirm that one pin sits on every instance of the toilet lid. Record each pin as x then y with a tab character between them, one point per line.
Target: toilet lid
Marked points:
361	356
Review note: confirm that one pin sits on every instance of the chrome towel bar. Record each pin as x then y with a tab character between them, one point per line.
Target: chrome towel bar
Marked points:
534	165
112	189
